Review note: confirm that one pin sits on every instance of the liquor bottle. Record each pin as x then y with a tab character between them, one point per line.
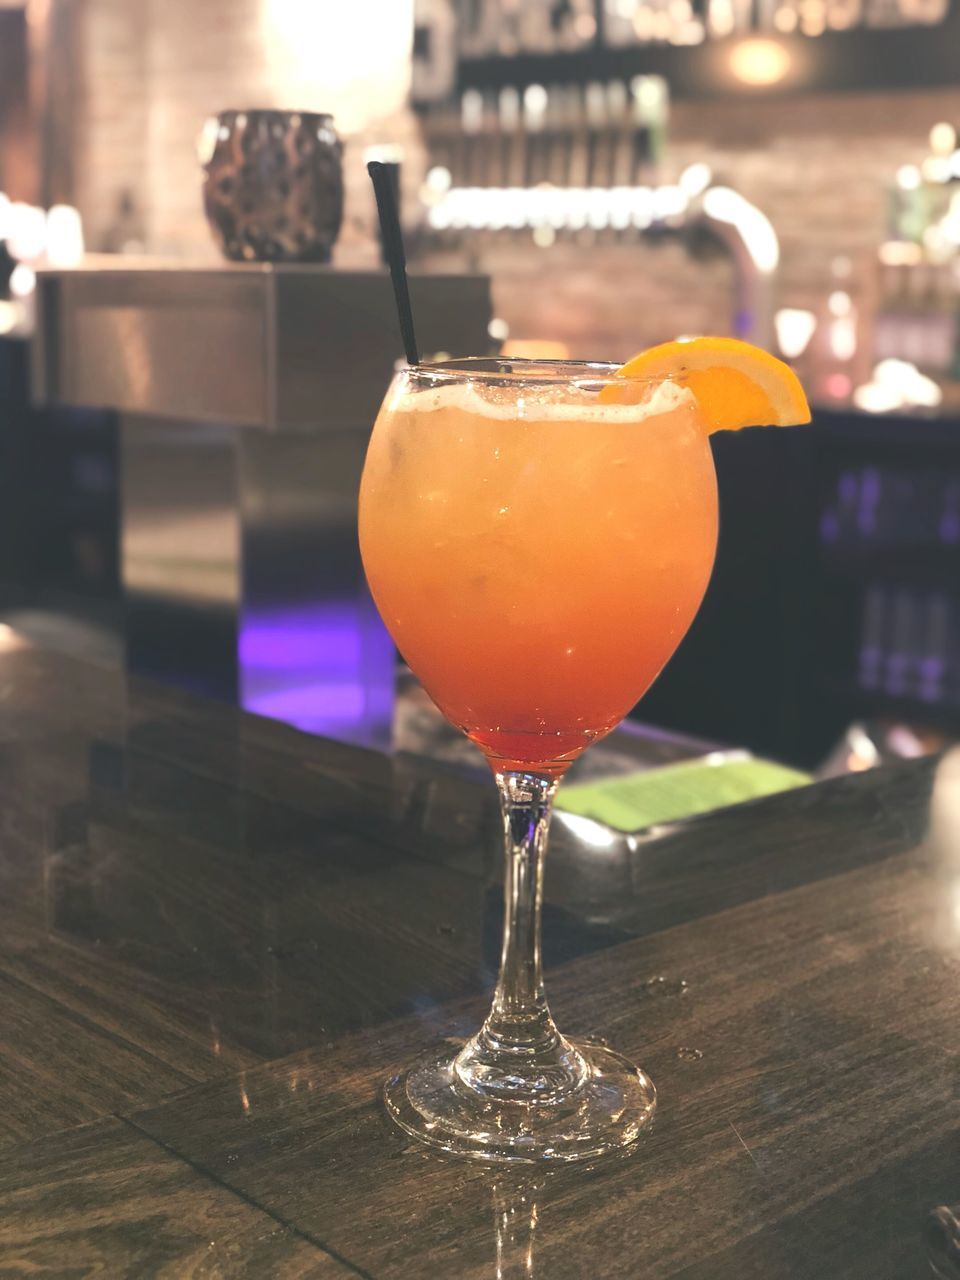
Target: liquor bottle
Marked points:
434	68
619	124
949	523
471	41
578	132
535	151
487	162
536	28
444	138
595	103
900	674
872	636
510	167
471	123
933	661
649	95
558	135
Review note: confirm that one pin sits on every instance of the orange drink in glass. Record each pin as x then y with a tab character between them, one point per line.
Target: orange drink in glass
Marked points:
536	554
537	548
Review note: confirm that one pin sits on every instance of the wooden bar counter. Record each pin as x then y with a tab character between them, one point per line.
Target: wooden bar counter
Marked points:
218	936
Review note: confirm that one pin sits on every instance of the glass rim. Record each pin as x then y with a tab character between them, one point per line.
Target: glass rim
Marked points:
545	372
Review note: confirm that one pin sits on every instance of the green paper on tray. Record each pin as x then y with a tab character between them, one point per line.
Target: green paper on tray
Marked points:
677	791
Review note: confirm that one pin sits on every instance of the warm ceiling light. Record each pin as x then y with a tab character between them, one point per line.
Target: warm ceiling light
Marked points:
908	177
759	62
943	138
794	328
349	59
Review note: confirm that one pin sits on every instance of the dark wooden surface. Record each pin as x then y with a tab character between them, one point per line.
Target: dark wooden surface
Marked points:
218	936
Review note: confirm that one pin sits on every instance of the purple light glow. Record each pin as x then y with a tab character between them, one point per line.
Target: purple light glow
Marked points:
324	668
308	705
829	527
282	642
869	501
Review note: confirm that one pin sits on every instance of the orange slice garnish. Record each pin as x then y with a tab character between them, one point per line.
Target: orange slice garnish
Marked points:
736	384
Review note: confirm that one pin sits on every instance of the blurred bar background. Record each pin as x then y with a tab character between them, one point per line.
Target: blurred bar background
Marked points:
623	171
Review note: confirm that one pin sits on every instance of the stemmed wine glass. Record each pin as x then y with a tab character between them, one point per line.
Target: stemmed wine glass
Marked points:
538	537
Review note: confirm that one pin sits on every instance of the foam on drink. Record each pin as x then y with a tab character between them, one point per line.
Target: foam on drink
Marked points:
513	401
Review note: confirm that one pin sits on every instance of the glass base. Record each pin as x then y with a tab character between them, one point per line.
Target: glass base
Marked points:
606	1111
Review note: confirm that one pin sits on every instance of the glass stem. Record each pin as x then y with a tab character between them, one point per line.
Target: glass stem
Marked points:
519	1052
520	1018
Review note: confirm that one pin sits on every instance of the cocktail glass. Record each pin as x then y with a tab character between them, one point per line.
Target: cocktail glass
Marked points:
538	537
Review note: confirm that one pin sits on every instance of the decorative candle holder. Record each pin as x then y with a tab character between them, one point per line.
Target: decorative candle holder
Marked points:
274	184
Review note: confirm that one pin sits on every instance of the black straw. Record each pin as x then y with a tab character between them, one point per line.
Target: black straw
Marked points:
393	248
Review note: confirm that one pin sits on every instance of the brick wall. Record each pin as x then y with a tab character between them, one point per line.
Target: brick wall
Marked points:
153	70
819	167
111	122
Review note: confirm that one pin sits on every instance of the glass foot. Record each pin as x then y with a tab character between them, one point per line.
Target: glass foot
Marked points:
607	1110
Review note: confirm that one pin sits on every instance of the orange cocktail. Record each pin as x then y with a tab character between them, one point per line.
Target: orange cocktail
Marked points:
538	537
536	553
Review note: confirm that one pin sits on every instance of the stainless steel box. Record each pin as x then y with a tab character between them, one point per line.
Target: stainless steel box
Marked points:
245	397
